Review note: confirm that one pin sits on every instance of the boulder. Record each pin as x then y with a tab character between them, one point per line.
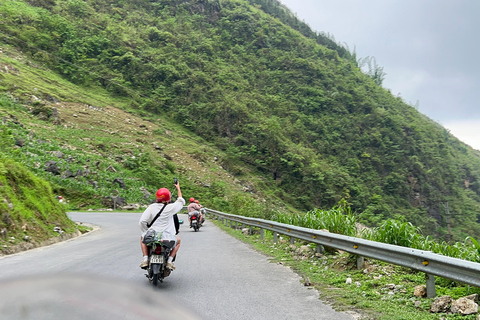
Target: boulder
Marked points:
464	306
420	291
441	304
51	166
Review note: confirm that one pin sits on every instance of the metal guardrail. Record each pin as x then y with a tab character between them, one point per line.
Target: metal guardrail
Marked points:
430	263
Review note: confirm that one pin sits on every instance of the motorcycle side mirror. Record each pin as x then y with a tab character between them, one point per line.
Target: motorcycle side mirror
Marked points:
180	221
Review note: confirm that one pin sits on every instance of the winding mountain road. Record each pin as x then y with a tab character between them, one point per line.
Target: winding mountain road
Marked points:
217	276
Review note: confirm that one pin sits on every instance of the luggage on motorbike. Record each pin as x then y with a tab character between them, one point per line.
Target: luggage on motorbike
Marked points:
151	236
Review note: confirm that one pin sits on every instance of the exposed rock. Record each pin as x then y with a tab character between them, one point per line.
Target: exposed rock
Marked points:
51	99
246	231
3	233
68	174
111	169
58	154
145	192
58	229
441	304
420	291
391	286
464	306
307	282
6	219
303	250
108	202
134	206
348	281
120	182
93	183
51	166
20	142
473	297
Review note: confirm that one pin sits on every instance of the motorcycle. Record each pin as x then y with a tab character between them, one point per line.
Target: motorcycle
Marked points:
158	253
196	224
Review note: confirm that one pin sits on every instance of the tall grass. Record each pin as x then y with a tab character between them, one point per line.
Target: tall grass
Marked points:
337	220
341	220
395	232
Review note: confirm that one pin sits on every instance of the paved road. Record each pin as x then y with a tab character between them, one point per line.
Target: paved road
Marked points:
217	276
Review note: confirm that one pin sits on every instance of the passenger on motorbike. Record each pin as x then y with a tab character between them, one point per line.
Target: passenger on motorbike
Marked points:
164	223
193	208
202	211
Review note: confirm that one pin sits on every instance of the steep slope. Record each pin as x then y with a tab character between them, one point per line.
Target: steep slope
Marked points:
30	214
316	128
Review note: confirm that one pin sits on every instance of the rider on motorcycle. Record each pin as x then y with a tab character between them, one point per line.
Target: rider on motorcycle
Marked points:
164	223
192	209
202	211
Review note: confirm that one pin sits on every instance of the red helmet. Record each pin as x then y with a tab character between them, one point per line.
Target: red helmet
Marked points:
163	194
196	201
192	199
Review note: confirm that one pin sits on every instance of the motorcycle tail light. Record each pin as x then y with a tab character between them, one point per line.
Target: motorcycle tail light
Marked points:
158	250
193	217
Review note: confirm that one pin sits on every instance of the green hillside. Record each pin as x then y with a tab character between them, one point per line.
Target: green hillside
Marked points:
29	211
286	112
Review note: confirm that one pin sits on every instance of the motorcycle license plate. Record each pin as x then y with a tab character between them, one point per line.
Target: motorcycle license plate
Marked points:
156	259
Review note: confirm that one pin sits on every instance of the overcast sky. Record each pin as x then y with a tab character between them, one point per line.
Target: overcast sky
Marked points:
429	50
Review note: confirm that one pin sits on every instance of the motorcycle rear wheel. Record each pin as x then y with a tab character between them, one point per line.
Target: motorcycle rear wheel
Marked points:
155	279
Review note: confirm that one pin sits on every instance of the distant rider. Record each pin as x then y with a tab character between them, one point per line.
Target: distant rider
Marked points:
202	211
165	222
192	209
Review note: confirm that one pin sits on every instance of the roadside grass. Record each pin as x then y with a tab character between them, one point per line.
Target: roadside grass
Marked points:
29	211
380	291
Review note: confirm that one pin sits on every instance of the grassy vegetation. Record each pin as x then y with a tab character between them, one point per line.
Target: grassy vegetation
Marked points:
29	211
380	291
286	110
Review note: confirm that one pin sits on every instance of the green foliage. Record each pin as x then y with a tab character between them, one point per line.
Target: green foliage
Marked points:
395	232
370	293
338	220
281	100
29	207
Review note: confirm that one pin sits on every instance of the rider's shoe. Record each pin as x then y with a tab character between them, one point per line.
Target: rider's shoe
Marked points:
167	272
144	264
170	266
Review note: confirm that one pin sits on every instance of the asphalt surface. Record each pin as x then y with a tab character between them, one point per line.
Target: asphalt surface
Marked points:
216	277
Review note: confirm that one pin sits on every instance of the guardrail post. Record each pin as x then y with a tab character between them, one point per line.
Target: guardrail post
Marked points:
360	262
262	234
431	293
275	236
250	230
292	240
236	225
320	249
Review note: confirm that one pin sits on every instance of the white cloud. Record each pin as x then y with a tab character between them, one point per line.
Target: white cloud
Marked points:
467	131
